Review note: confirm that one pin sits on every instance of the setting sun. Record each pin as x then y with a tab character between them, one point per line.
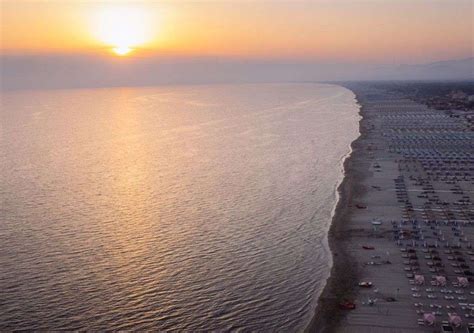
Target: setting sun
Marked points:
122	50
122	28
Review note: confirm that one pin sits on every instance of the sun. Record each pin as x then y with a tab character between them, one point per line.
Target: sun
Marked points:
122	28
122	50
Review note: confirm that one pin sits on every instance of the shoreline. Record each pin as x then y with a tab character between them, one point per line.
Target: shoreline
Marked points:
405	207
344	271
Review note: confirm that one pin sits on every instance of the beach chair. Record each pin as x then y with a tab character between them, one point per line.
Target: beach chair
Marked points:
446	328
470	328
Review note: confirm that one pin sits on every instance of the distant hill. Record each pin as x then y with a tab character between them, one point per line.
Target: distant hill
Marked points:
441	70
65	71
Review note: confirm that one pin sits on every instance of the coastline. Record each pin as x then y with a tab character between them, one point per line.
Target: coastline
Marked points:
405	206
344	270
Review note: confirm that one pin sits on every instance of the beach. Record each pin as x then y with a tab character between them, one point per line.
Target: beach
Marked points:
403	222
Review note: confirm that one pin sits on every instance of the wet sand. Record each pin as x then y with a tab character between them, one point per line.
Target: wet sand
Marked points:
344	271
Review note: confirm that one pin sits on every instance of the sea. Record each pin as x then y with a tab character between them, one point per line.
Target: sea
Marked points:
174	208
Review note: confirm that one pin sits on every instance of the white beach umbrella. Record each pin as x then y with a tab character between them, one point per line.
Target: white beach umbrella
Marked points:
419	279
454	319
440	280
463	282
429	318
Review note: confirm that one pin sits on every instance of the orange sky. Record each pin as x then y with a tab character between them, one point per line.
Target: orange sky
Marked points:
347	30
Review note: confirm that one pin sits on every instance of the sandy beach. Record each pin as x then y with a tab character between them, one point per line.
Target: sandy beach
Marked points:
387	216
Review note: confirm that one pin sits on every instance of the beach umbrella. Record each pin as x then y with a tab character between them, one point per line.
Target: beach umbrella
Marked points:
463	282
454	319
440	280
419	279
429	318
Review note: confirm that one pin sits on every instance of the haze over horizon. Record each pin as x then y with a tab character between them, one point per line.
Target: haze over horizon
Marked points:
91	44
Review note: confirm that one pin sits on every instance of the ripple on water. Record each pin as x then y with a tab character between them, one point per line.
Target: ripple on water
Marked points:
204	210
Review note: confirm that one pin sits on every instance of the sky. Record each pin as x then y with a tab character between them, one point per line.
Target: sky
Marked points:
356	32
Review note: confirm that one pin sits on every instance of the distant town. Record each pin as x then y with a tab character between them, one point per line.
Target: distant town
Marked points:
438	95
454	98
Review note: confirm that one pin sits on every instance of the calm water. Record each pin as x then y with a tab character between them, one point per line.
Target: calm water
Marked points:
173	208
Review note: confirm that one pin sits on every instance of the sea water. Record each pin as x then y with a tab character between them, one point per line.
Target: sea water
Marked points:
169	208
